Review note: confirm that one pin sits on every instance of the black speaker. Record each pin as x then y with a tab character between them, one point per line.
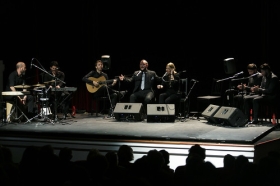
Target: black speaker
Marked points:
106	60
229	66
125	111
209	113
160	112
231	116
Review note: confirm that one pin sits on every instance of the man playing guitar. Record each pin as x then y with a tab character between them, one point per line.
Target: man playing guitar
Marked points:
96	82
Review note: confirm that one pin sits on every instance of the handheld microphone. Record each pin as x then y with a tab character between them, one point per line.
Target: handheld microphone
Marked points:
194	80
165	74
31	63
239	73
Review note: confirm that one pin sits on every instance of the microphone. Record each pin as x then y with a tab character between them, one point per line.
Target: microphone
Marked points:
138	72
254	74
239	73
194	80
165	74
31	63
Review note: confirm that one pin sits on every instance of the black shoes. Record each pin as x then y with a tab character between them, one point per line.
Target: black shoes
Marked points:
254	122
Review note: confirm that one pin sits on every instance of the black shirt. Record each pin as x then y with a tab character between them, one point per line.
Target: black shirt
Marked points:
15	79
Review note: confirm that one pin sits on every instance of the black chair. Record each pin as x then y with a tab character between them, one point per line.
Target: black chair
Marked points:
214	98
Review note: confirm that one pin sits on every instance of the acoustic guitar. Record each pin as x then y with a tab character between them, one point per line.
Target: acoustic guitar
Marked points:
101	82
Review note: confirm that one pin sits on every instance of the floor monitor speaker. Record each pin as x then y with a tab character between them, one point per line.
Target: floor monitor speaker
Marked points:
209	113
160	112
231	116
133	111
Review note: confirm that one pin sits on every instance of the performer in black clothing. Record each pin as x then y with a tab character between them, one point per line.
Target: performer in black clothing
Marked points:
144	83
170	86
97	83
254	79
266	92
62	97
17	77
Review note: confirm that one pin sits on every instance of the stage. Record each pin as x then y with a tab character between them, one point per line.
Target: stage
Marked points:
87	131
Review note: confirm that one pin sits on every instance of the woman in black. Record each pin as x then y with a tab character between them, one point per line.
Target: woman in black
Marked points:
169	86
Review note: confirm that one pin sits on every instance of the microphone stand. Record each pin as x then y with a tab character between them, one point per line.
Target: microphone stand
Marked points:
55	97
189	102
229	78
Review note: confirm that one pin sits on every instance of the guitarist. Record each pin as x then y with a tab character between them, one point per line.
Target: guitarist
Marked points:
91	80
245	89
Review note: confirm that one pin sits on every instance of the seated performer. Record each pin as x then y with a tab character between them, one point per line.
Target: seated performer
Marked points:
17	77
170	86
254	79
266	92
144	81
93	80
62	97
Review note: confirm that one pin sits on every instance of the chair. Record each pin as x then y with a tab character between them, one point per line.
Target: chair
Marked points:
98	101
214	98
271	112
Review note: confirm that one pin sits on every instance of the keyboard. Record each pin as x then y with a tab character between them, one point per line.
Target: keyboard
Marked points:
70	89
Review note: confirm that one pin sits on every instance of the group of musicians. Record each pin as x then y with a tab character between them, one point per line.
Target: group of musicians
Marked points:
42	94
261	86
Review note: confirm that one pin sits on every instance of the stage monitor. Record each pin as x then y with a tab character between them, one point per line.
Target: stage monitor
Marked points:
129	111
160	112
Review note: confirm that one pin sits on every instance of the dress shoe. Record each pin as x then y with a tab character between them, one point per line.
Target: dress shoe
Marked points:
254	122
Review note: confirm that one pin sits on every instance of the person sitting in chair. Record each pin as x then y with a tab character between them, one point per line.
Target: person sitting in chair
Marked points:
144	81
17	77
266	92
170	86
95	80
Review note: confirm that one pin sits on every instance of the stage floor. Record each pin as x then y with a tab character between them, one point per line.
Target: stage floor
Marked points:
189	129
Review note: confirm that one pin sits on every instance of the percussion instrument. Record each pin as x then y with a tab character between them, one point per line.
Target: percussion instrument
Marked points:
39	85
22	86
52	81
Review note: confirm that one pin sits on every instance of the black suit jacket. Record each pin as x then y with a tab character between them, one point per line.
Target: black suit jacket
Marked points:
151	79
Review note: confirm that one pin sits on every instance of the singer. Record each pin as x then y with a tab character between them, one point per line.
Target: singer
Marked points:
245	89
169	85
144	81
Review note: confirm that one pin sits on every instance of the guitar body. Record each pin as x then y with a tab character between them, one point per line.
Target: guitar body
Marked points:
101	81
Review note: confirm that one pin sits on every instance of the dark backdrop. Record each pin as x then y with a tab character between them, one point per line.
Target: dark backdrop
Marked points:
195	35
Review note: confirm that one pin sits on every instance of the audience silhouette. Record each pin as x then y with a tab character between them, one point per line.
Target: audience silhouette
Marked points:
41	166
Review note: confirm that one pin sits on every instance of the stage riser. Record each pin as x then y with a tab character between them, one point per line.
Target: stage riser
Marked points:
178	152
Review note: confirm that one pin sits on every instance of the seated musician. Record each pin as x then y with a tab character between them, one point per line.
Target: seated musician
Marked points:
170	86
254	79
267	92
17	77
62	97
93	80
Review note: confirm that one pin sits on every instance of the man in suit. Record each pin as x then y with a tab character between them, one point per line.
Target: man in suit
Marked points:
144	81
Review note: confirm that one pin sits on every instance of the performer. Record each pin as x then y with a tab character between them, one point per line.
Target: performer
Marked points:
254	79
266	92
144	83
17	77
94	80
170	86
61	96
